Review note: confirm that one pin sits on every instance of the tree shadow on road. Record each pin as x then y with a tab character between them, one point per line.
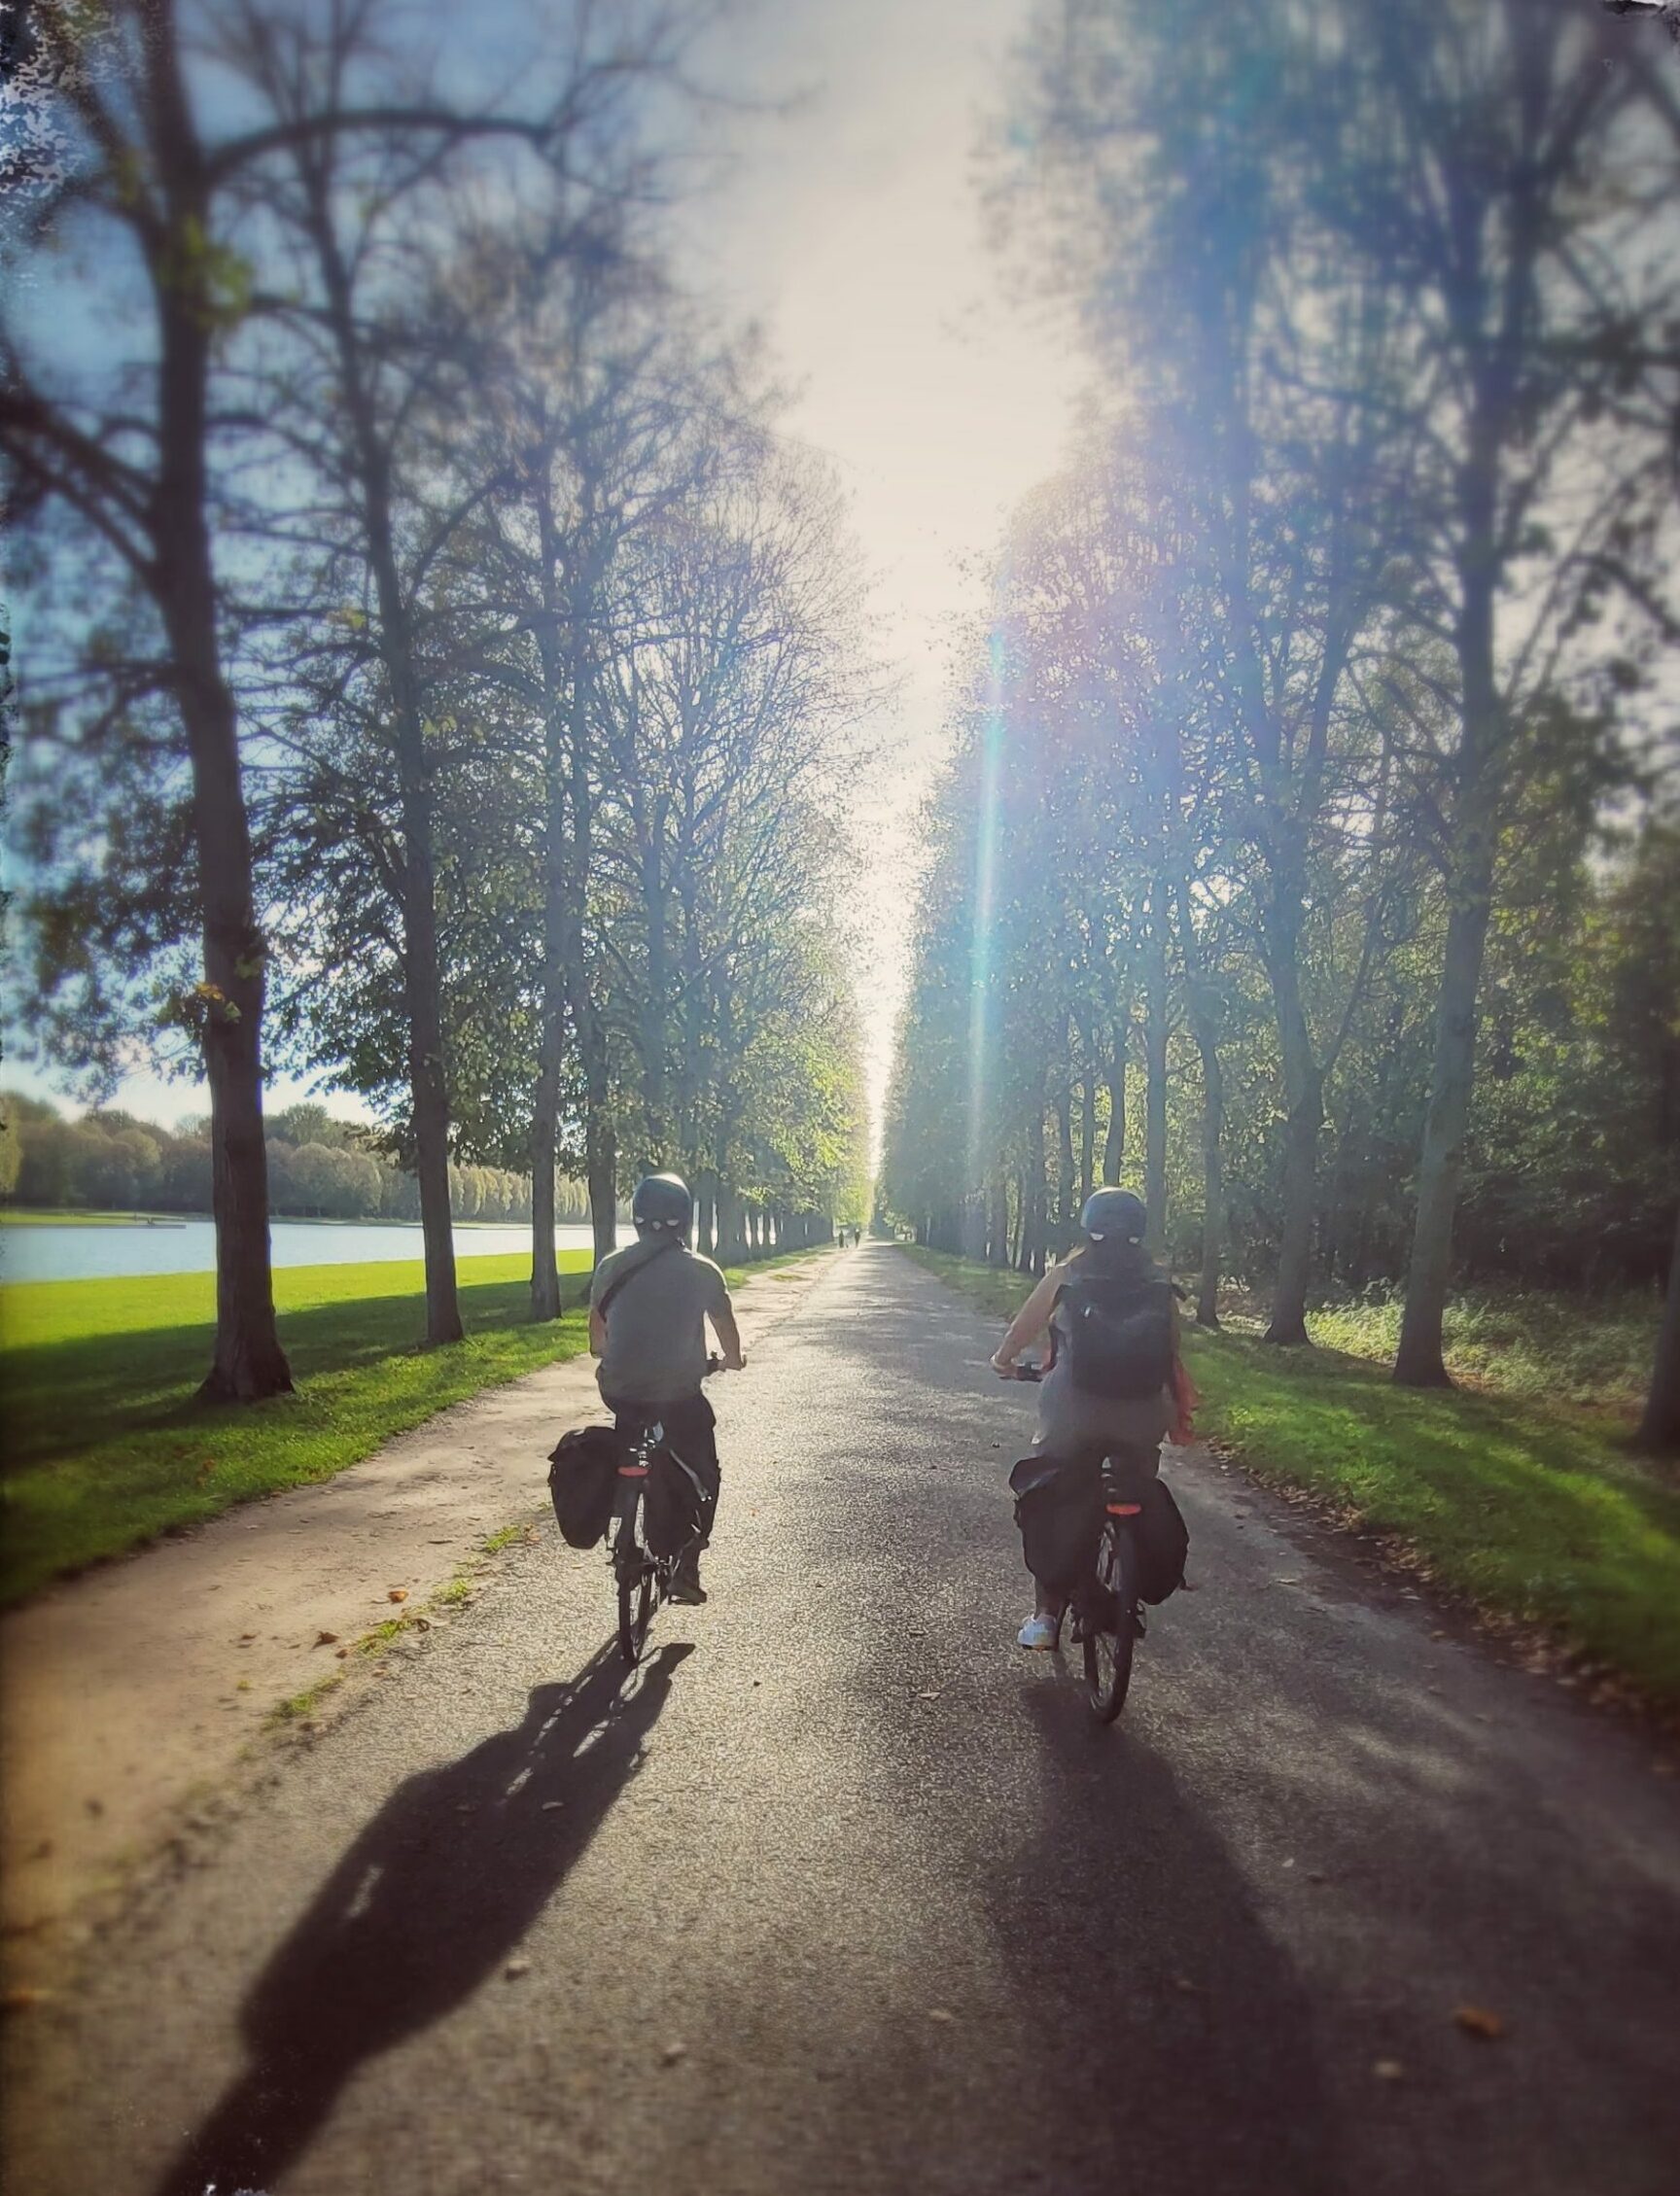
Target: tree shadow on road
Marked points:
1184	2051
434	1894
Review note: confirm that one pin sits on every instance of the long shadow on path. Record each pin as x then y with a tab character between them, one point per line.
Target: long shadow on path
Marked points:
1185	2055
437	1892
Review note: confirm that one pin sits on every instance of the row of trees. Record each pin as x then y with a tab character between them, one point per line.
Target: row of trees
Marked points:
319	1168
445	659
1322	721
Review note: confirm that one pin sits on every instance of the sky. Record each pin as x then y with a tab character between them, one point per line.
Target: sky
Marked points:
849	227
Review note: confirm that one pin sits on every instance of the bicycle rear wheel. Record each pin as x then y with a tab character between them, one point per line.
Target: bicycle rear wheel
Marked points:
636	1591
1108	1652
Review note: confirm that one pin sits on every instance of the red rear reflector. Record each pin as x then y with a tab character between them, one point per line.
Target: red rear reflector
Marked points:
1125	1509
632	1471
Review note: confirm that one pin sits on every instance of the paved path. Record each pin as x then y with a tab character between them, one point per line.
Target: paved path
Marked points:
130	1692
845	1895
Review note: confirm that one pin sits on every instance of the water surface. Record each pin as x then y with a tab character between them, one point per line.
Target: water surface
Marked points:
50	1253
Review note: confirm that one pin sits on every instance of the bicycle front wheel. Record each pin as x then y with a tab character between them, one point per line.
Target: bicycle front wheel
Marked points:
1108	1652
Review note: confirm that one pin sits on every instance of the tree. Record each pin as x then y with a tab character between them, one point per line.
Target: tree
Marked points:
141	169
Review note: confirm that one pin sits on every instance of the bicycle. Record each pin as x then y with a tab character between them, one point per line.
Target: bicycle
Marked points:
644	1580
1106	1610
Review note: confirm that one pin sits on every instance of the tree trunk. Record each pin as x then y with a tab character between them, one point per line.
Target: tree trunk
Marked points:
422	976
247	1362
1419	1361
546	1107
1087	1137
601	1171
1659	1427
1114	1144
727	1213
651	1024
544	1271
1206	1030
1066	1208
1155	1075
1303	1087
998	1248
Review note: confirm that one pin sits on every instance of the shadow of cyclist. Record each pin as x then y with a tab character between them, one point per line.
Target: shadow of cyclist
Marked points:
1185	2048
433	1896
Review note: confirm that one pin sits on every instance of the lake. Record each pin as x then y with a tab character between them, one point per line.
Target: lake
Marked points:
50	1253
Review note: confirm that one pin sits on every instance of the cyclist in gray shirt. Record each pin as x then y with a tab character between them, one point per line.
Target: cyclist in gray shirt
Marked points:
648	1305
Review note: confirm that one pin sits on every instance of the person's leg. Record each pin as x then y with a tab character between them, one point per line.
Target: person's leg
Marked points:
690	1430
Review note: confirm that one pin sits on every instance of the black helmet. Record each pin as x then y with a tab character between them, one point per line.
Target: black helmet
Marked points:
1114	1215
662	1200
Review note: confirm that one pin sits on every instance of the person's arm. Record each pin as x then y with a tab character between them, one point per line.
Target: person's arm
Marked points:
722	1318
597	1333
1031	1321
721	1313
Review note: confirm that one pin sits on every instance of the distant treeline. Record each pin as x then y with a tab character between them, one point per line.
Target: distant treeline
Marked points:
319	1168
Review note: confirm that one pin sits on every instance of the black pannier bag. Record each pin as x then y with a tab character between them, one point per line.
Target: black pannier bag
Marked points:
1163	1543
1058	1509
674	1509
1119	1335
582	1474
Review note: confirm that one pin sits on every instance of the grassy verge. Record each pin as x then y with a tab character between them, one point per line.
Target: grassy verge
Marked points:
1537	1344
1533	1515
105	1448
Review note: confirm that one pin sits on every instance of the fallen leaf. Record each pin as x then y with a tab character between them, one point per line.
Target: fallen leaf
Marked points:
941	2014
1388	2069
926	1697
246	1637
1477	2020
673	2052
1290	1862
342	1652
326	1639
515	1969
397	1593
550	1806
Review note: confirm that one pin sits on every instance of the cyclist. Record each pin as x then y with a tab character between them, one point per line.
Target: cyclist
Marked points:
648	1308
1074	1423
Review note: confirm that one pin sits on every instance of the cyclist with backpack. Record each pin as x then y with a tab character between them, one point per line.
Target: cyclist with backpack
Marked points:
1116	1386
648	1305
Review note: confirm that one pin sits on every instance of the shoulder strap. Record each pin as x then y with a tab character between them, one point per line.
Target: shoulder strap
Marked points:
623	1280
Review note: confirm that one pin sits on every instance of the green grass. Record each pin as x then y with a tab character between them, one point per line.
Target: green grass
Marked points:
105	1448
1543	1515
1538	1343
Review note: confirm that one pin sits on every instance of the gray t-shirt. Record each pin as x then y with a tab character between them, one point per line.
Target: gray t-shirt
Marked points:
655	1333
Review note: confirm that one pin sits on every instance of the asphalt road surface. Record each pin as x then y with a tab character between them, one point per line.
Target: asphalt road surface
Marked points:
844	1892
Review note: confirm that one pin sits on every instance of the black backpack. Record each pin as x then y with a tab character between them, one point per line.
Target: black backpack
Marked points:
1119	1333
583	1474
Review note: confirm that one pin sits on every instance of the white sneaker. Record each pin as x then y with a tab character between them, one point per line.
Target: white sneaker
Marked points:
1040	1631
